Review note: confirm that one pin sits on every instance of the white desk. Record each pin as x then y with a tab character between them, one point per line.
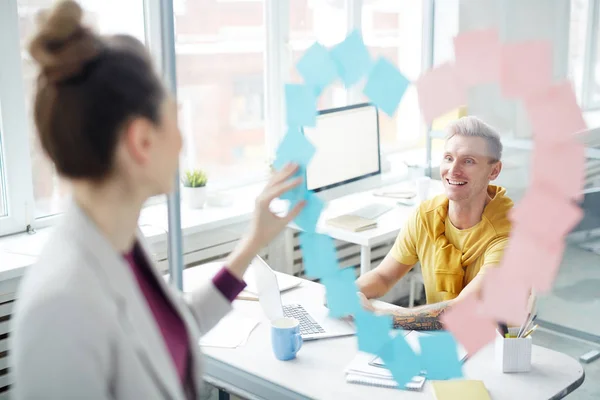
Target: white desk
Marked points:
251	371
388	225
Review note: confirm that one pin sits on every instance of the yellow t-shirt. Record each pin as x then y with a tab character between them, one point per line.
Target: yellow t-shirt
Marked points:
414	243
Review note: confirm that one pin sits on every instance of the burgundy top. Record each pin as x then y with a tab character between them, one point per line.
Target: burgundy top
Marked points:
169	321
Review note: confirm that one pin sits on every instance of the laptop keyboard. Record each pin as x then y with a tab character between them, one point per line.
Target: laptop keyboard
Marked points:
307	324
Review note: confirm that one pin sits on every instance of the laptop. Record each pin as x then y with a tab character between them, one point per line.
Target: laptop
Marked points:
314	320
284	281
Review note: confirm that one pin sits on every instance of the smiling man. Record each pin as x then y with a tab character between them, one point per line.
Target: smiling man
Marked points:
455	236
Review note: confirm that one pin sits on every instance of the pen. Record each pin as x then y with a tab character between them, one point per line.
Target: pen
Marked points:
248	298
529	332
527	325
530	324
503	329
531	314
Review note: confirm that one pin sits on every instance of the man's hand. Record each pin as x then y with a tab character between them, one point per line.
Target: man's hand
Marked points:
389	309
367	304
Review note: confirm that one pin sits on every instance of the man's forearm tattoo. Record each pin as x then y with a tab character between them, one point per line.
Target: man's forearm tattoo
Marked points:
426	318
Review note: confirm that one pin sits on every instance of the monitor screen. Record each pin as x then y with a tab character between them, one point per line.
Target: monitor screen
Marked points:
347	146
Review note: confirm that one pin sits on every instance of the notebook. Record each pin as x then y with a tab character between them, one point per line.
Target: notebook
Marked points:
352	223
416	383
459	390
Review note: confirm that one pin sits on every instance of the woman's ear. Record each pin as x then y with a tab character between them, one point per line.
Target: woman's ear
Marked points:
138	139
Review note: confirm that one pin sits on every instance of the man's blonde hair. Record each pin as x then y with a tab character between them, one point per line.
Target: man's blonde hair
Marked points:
471	126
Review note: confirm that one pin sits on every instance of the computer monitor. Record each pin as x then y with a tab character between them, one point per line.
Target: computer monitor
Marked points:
347	157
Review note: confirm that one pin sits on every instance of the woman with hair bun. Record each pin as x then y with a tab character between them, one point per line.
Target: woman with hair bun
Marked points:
94	319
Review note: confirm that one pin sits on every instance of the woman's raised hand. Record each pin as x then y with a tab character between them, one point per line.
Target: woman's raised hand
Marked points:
266	225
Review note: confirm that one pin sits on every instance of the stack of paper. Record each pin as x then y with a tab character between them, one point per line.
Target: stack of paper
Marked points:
361	370
367	369
352	223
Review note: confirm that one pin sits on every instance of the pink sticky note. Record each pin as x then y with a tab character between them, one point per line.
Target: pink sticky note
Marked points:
525	67
560	168
468	326
554	113
504	296
477	55
546	269
545	215
440	91
531	260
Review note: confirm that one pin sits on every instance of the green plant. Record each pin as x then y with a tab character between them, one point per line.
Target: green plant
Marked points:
195	178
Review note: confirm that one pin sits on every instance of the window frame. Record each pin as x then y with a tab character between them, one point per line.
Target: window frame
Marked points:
591	55
16	151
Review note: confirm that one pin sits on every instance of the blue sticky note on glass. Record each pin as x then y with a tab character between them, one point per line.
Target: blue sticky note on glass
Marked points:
351	58
299	192
317	67
301	105
318	254
309	216
386	86
400	359
295	147
373	330
439	356
342	297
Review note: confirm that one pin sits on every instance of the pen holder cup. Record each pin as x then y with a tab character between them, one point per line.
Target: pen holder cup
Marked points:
513	354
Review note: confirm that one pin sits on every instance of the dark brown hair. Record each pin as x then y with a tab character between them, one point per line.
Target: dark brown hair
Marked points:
88	88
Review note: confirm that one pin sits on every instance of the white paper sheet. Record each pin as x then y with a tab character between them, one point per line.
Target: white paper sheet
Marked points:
232	331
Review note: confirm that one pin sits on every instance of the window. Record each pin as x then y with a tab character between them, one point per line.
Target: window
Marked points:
445	22
393	30
591	63
247	110
220	51
230	79
577	43
108	17
322	21
3	210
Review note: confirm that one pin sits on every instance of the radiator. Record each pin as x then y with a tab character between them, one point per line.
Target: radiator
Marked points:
8	290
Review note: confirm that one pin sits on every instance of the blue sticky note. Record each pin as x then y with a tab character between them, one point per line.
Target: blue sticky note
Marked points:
298	193
318	254
400	359
317	67
439	355
373	330
301	105
351	58
310	214
296	148
386	86
342	297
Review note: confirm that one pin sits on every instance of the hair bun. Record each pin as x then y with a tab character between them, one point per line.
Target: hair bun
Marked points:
63	45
